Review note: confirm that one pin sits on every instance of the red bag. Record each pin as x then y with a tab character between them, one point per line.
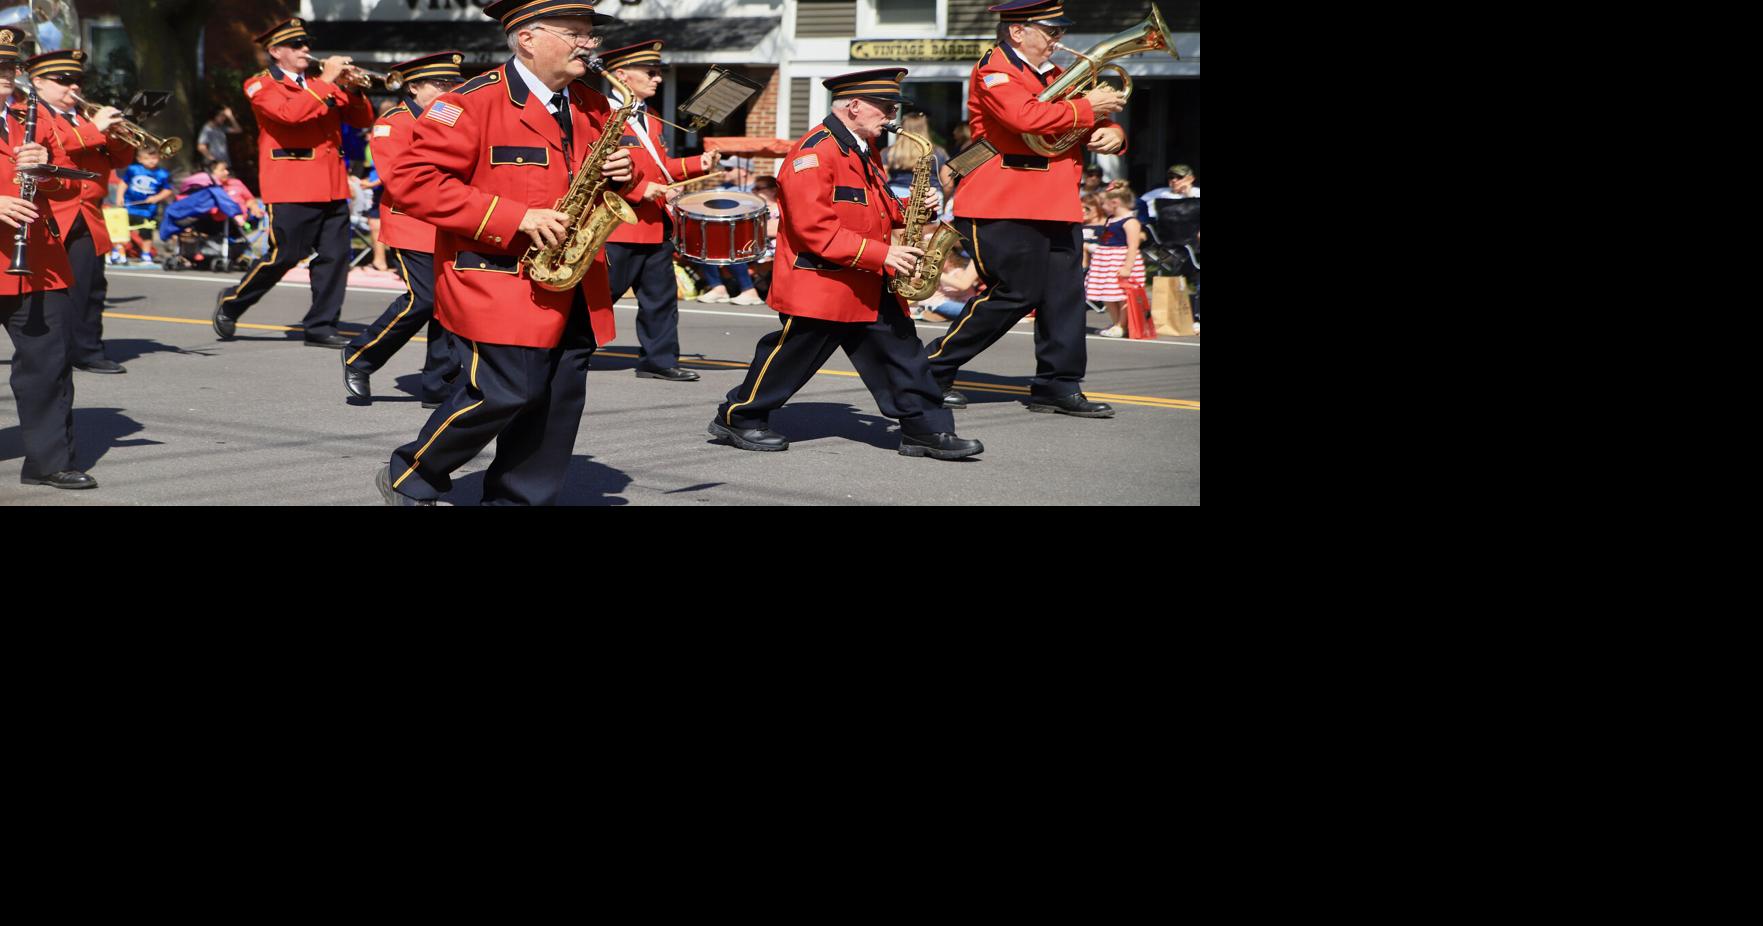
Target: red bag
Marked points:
1137	310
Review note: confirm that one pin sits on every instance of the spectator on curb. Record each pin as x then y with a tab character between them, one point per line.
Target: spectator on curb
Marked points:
1117	262
211	142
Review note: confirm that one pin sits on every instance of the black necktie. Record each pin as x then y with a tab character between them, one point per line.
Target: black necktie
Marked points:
300	80
70	119
562	116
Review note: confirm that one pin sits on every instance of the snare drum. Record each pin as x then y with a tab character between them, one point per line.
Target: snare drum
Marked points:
720	227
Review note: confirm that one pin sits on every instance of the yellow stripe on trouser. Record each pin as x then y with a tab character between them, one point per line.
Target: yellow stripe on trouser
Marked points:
972	307
408	291
274	249
729	417
445	425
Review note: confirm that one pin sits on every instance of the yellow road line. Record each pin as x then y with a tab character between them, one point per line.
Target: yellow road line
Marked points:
1148	401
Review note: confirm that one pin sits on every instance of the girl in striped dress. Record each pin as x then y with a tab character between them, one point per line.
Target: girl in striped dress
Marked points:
1116	261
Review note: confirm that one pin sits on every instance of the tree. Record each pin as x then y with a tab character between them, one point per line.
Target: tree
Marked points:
165	35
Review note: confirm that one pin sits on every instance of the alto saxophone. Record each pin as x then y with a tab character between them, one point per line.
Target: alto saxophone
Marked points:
924	278
594	210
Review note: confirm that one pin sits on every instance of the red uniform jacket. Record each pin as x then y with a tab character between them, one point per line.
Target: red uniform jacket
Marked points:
47	256
300	136
90	149
390	142
481	157
1020	184
650	225
832	244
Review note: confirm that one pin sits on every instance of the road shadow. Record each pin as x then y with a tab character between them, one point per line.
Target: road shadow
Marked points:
586	484
123	350
805	421
602	362
987	396
95	432
119	300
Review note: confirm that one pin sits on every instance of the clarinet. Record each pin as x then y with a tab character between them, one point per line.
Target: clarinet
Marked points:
27	190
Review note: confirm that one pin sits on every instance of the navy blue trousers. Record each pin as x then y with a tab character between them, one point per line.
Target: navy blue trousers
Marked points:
649	267
408	314
40	325
295	229
886	353
528	400
85	294
1026	266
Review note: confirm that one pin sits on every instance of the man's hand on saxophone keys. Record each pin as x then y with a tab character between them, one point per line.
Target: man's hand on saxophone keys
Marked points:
545	226
903	259
617	167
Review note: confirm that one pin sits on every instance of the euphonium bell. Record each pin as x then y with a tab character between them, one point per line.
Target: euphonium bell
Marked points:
1151	35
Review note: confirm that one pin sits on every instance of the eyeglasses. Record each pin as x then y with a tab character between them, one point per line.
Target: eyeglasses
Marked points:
8	70
1053	32
445	85
574	38
887	109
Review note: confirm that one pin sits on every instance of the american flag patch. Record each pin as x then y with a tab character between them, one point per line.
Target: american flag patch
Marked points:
807	161
251	91
381	131
444	113
992	80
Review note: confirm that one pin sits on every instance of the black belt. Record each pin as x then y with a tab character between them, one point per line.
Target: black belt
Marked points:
291	154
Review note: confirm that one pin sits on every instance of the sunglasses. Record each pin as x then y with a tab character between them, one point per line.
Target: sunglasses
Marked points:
297	43
66	80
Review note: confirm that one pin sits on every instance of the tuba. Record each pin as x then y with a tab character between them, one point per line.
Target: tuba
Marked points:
1151	35
594	210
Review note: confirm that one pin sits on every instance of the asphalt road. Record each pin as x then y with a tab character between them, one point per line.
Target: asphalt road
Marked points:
262	420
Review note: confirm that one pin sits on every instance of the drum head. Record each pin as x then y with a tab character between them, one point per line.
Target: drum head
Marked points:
721	204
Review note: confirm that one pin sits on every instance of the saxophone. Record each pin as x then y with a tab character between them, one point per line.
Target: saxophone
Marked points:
594	210
924	279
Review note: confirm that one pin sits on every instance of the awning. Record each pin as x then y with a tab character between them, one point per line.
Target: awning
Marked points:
748	146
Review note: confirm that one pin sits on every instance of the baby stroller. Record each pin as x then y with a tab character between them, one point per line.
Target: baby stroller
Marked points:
200	225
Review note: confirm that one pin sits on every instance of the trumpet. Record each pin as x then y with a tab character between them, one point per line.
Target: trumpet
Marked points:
130	133
362	77
1150	35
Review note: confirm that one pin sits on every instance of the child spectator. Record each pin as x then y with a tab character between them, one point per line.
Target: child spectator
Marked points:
146	187
1116	262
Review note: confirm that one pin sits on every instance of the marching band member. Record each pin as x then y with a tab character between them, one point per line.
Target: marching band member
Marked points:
35	306
642	254
57	76
305	184
412	242
830	283
484	167
1020	212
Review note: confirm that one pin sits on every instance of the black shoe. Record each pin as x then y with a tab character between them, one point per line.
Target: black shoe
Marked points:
355	382
383	482
224	324
100	366
751	438
1074	404
939	446
333	341
66	479
953	399
431	405
672	375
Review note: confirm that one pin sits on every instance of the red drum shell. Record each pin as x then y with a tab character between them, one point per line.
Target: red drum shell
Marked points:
720	227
